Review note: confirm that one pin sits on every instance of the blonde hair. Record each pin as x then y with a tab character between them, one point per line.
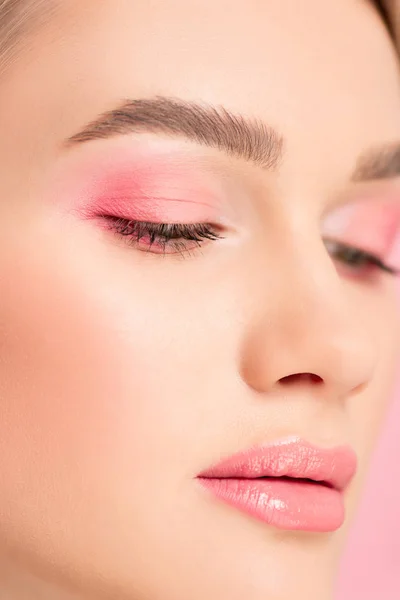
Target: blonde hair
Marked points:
18	18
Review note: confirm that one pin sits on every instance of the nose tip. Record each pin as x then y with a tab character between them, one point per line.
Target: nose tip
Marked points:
325	349
342	365
306	326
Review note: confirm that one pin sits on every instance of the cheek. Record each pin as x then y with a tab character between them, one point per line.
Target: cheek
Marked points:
80	400
96	417
368	409
97	369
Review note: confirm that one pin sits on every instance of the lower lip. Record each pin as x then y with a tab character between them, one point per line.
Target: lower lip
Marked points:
282	503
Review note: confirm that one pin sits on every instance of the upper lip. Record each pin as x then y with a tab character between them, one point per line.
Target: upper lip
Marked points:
294	458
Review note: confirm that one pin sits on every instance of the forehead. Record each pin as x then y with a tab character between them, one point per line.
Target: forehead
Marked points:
323	73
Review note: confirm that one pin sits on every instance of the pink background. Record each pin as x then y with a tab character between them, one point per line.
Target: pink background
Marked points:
371	566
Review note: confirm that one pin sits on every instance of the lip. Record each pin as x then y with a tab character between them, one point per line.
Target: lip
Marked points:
290	484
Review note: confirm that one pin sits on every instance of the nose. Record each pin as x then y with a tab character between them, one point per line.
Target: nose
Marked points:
308	330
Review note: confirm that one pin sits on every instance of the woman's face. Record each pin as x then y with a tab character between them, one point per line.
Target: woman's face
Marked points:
130	362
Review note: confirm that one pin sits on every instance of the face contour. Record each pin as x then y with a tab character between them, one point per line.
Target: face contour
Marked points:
129	362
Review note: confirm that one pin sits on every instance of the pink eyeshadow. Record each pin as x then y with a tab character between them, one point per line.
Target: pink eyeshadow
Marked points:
150	196
142	190
370	225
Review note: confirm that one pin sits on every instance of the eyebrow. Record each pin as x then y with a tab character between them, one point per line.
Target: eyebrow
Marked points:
211	126
250	139
378	163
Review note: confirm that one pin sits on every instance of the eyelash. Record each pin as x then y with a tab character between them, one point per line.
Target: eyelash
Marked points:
356	258
177	238
164	238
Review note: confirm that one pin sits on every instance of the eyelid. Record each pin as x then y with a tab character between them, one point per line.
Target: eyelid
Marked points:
149	208
372	225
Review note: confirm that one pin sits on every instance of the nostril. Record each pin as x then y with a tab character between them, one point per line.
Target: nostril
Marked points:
301	377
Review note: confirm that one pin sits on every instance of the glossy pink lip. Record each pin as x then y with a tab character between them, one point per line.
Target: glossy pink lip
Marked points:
290	484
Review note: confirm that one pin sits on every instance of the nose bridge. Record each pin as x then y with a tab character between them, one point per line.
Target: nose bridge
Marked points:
307	325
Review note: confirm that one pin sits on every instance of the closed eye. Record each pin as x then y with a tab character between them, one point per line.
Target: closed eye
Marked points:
163	238
356	259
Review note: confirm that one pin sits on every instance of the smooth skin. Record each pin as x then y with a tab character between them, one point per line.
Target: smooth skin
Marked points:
123	375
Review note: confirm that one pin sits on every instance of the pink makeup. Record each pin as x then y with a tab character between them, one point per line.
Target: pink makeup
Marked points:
290	485
142	187
156	183
370	224
152	194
